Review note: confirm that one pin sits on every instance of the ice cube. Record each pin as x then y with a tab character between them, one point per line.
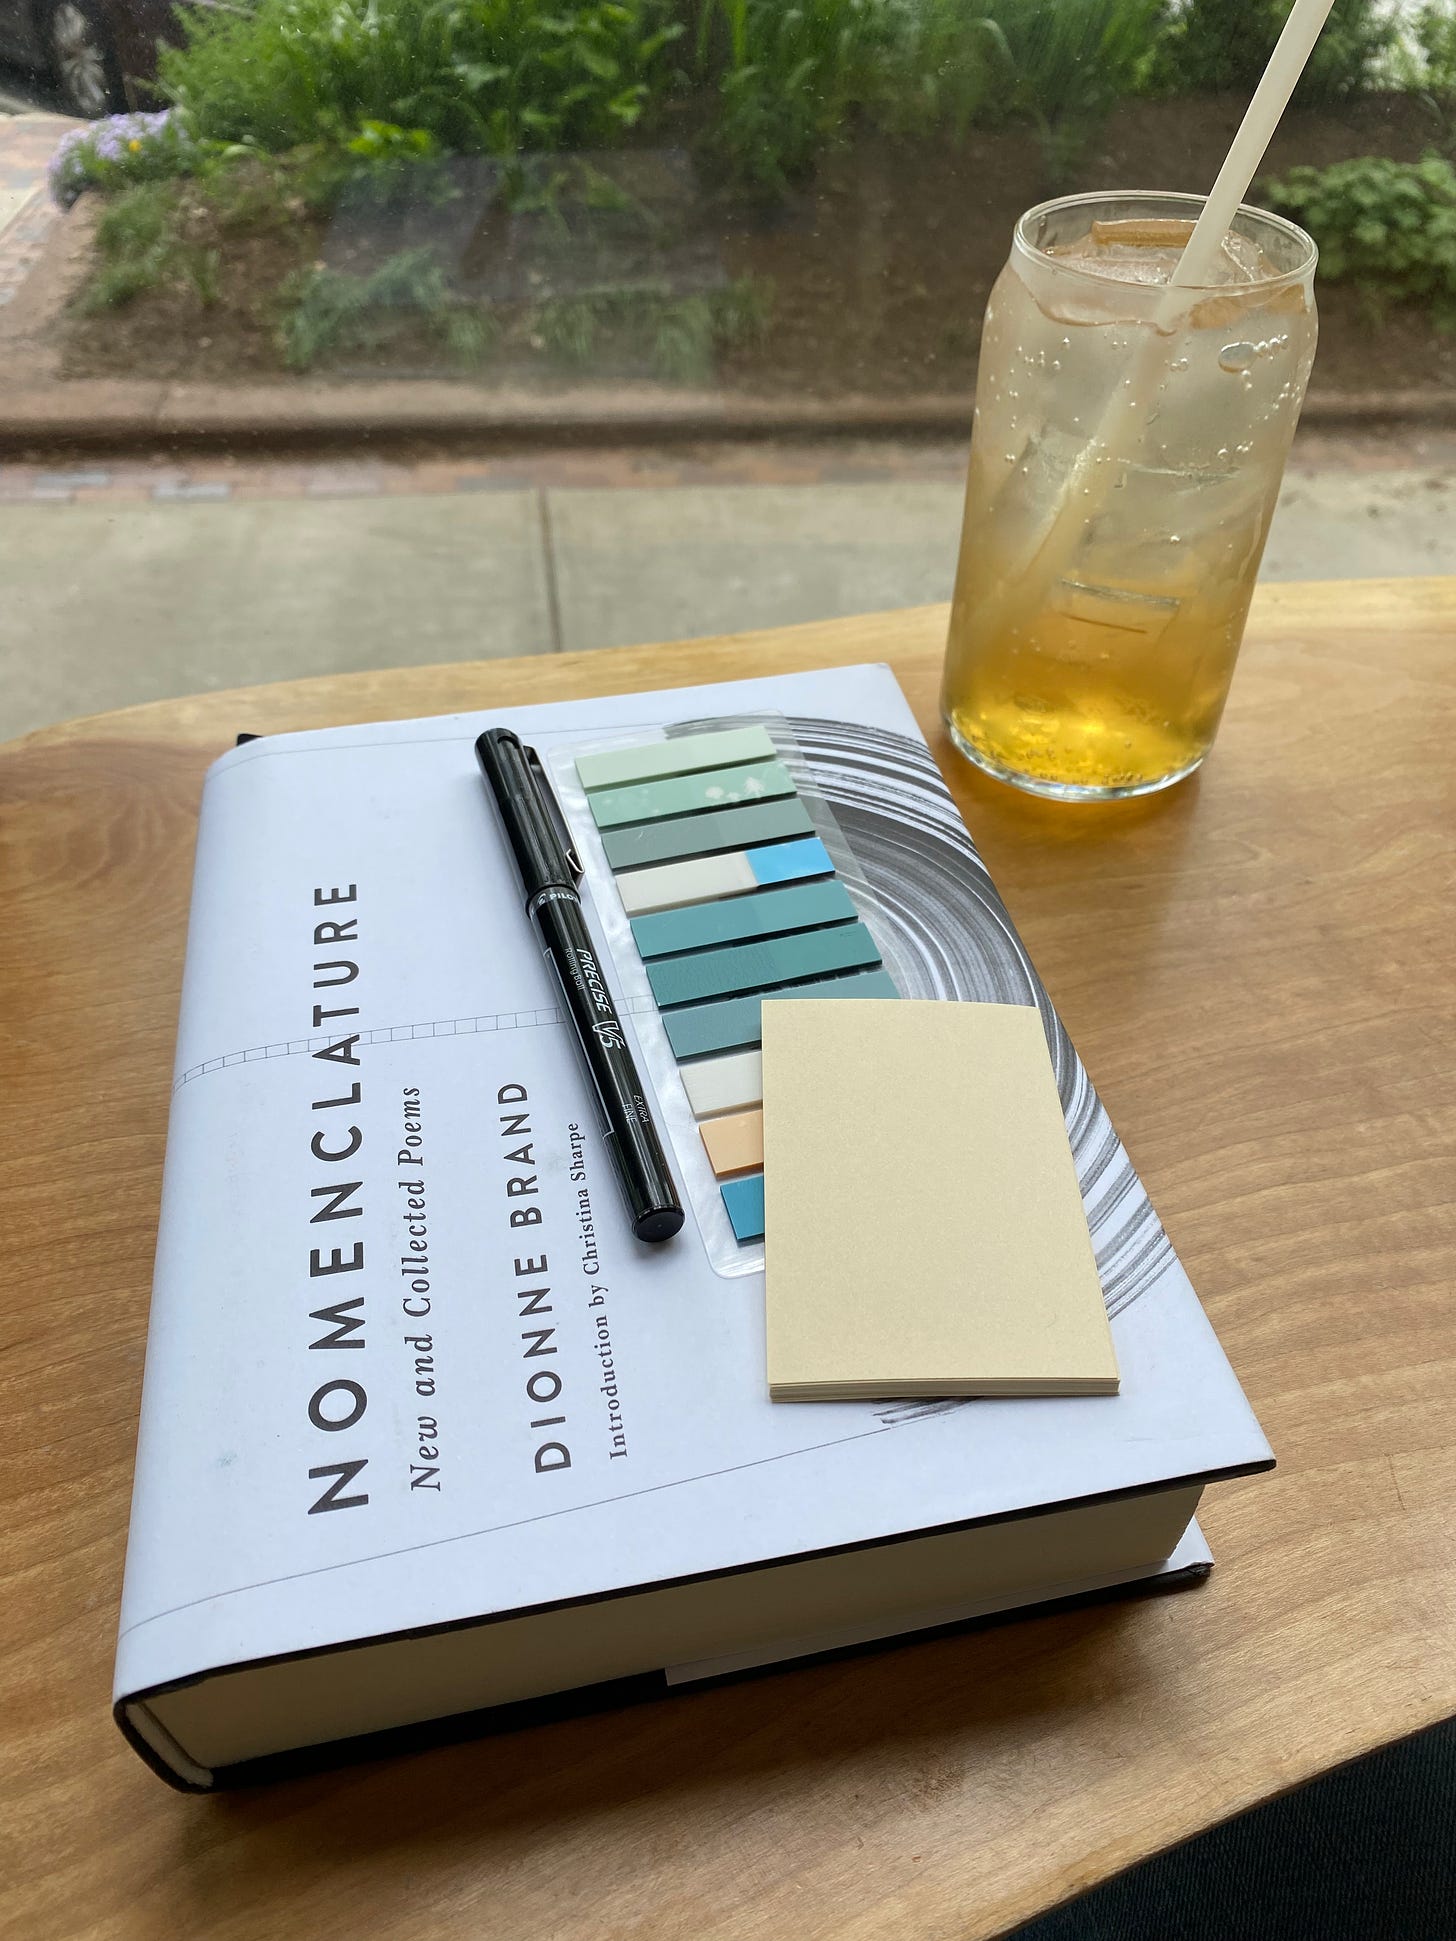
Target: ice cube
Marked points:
1147	251
1241	260
1123	258
1115	609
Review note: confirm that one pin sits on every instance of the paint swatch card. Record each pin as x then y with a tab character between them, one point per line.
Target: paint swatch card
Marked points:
924	1230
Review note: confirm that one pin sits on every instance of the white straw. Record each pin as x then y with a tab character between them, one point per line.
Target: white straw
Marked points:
1256	131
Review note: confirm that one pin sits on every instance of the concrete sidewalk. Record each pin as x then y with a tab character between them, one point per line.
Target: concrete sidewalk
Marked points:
122	588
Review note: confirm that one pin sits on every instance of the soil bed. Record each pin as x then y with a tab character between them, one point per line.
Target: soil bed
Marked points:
878	271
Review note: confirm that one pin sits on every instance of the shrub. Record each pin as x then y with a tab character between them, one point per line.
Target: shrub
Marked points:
140	247
390	82
1211	45
791	78
788	77
492	77
680	334
169	234
119	152
949	57
1435	35
1074	59
1387	227
323	312
1067	65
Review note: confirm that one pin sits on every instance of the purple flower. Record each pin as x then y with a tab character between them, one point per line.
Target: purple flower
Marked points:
106	150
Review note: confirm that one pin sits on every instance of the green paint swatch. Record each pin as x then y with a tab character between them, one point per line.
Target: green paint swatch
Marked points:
714	788
766	913
678	755
735	1021
759	966
701	835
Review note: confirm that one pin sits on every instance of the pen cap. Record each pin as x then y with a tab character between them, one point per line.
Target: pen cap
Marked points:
540	859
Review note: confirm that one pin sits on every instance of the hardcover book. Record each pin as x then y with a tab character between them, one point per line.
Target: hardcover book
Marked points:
425	1432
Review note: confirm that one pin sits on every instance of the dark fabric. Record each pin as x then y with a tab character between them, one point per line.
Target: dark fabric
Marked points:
1367	1853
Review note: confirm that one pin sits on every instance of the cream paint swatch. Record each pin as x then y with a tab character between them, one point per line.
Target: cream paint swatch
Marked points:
923	1228
733	1143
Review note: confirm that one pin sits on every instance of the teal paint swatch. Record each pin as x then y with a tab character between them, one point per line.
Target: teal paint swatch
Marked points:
678	755
765	913
703	835
744	1200
760	965
735	1021
715	788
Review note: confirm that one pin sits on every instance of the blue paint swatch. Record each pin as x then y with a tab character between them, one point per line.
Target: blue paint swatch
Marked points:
744	1201
787	862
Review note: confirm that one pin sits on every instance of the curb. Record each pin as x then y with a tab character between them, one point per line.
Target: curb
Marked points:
96	413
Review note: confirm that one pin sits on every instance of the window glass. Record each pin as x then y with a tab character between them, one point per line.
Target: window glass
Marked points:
397	229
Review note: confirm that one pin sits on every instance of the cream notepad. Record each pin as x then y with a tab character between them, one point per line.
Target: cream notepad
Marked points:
923	1227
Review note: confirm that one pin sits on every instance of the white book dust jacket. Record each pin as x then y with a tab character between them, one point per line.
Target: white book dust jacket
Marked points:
461	1386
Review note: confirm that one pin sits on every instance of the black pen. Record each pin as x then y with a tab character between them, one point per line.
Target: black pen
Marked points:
546	863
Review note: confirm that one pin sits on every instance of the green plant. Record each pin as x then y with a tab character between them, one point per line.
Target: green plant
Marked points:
1387	227
323	310
689	331
1212	45
134	243
788	77
1434	29
792	78
141	246
469	334
944	66
204	272
681	334
744	310
1065	66
244	190
386	141
394	83
685	339
494	77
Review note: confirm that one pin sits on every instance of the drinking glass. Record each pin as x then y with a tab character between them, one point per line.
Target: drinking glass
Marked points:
1127	452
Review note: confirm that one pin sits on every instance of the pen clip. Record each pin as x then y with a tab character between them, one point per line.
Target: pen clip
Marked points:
553	811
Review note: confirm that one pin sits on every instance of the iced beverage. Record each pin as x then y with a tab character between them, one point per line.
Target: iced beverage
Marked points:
1125	462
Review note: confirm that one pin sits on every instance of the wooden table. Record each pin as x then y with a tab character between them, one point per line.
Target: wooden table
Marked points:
1257	968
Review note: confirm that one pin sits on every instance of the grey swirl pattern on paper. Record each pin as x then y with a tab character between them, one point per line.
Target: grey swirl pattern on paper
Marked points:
945	933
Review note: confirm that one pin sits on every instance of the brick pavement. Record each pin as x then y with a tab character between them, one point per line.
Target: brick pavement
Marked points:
27	213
